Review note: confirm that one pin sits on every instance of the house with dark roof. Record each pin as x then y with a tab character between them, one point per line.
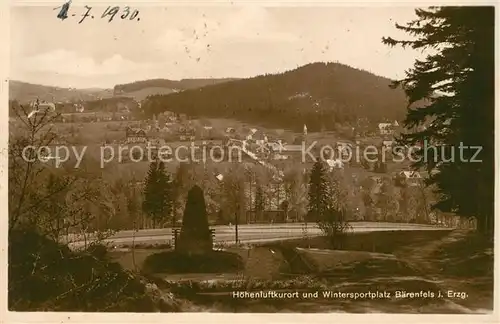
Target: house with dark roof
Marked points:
134	135
411	178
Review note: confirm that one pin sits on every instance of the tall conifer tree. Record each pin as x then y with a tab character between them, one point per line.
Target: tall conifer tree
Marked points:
454	87
157	202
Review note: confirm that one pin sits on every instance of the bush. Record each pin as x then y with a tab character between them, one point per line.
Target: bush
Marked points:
335	226
179	262
195	236
47	276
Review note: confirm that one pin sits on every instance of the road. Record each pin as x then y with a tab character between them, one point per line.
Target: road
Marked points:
251	233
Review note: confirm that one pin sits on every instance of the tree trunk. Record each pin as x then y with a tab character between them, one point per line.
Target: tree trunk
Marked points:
236	226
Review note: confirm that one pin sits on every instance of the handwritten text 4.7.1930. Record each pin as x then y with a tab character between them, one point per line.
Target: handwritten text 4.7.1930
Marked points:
124	13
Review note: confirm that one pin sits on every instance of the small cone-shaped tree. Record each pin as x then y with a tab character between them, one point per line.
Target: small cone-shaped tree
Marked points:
195	234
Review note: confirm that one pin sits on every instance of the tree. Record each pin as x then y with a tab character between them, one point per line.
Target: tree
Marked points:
157	202
133	202
386	201
49	200
47	207
296	192
195	236
456	83
318	192
259	202
233	189
333	223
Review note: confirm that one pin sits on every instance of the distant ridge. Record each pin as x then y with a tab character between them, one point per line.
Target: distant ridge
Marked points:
139	90
25	92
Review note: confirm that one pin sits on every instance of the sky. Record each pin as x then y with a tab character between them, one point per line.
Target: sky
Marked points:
200	42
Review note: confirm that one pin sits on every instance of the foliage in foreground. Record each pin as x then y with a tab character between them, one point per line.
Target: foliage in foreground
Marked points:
47	276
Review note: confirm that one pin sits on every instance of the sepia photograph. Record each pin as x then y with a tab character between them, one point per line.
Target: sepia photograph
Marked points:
251	158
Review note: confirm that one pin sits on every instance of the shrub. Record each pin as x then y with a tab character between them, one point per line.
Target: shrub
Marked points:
47	276
195	236
179	262
335	226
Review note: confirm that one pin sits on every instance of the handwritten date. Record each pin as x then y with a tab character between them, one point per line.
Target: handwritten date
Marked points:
125	13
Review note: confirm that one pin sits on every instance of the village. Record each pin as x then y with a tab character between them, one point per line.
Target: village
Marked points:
275	152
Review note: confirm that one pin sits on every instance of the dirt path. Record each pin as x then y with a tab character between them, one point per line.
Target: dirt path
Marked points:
433	261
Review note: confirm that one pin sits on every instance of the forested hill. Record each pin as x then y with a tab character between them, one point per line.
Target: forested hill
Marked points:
183	84
322	95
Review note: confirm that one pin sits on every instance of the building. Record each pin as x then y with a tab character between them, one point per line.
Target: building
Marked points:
412	178
156	142
79	107
186	133
135	135
335	164
385	128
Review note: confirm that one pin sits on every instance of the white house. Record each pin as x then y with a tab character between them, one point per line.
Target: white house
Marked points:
411	174
79	108
413	178
335	164
134	135
385	128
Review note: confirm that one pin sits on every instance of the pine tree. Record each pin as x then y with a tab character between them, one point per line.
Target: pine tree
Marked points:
456	84
318	192
157	202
